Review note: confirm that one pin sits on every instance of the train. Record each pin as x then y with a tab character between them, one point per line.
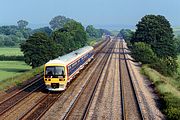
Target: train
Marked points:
60	71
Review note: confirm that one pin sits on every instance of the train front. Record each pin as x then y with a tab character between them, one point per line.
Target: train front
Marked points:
55	76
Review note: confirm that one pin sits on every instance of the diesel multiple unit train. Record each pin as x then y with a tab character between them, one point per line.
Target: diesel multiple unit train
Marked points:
60	71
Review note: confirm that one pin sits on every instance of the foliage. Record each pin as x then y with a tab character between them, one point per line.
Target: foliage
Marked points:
71	37
177	39
12	35
104	32
142	52
92	32
169	93
11	58
127	34
96	33
46	30
22	24
38	49
10	40
166	66
156	31
9	30
58	22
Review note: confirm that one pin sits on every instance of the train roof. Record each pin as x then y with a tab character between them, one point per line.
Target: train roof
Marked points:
68	58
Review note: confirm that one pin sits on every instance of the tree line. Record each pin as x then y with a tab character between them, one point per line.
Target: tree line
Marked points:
154	43
66	35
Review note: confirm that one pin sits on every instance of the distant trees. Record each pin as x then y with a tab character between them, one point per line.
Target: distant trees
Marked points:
92	32
22	24
58	22
14	35
46	30
127	34
96	33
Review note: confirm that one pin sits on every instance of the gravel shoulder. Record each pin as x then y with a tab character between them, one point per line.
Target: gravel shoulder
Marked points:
144	91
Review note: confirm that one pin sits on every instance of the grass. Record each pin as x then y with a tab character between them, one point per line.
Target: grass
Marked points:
169	90
9	69
10	51
19	78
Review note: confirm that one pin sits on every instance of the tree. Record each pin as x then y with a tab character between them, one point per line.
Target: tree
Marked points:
92	32
104	31
58	22
46	30
39	49
127	34
22	24
71	37
142	52
156	31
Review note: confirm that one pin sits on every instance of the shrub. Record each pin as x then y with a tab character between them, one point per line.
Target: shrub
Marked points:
11	58
143	53
166	66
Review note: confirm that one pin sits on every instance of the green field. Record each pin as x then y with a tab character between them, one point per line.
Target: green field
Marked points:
10	51
9	69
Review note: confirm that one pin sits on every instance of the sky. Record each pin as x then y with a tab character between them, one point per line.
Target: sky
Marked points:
102	13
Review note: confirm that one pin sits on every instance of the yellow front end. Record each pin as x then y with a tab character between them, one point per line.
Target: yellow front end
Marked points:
55	77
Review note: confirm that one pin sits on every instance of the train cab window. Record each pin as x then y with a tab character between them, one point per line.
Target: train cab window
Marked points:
54	71
59	70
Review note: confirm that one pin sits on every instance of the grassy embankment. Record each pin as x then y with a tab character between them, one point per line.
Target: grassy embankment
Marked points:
169	90
14	72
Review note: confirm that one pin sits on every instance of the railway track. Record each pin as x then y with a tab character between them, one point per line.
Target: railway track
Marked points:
42	106
80	106
20	95
129	102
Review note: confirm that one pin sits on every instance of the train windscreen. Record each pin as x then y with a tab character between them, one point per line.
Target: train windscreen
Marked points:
54	71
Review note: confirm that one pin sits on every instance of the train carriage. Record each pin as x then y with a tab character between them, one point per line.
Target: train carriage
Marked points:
60	71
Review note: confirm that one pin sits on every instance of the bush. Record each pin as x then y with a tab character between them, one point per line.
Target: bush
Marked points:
11	58
143	53
166	66
172	107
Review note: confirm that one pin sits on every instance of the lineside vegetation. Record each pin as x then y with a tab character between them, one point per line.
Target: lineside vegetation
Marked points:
153	43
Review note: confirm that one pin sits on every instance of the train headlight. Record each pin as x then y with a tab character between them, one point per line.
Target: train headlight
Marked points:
61	79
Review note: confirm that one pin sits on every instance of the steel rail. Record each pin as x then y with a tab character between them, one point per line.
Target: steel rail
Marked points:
105	58
5	105
133	88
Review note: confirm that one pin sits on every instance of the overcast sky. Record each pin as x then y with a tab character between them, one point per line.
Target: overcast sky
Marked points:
95	12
